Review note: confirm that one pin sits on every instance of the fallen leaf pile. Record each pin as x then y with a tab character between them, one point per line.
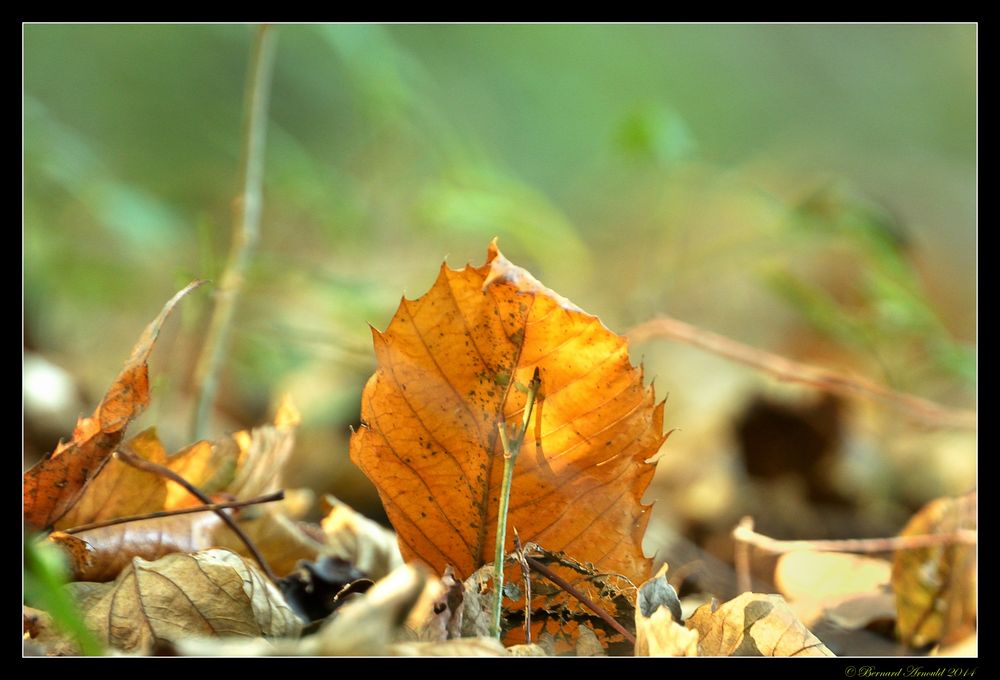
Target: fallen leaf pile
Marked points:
453	368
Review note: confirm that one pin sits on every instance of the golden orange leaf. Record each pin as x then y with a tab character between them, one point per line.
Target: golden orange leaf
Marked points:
53	485
454	364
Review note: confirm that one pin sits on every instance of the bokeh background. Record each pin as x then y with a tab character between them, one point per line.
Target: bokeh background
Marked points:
810	190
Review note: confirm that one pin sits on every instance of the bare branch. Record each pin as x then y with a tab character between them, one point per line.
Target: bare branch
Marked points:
927	412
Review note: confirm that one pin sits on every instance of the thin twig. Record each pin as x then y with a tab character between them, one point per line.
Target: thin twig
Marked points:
126	455
212	507
584	600
744	533
246	226
923	410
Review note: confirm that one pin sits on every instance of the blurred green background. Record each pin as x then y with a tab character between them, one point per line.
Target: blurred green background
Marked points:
810	190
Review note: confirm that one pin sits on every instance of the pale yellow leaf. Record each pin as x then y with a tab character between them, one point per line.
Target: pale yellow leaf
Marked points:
213	592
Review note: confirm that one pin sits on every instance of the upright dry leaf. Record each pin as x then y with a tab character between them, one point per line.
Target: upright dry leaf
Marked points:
263	454
213	592
753	625
936	587
452	366
53	485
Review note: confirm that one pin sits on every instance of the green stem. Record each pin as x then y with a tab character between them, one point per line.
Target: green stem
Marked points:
510	451
246	226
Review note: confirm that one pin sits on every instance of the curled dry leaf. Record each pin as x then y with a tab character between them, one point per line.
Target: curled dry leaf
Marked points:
367	625
263	452
658	631
936	587
101	554
476	604
452	366
355	538
753	625
445	619
53	485
659	635
213	592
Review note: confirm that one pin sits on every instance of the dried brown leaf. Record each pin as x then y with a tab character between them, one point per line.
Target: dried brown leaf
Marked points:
753	625
476	603
657	633
100	554
53	485
660	635
936	587
263	454
355	538
213	592
370	623
445	618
